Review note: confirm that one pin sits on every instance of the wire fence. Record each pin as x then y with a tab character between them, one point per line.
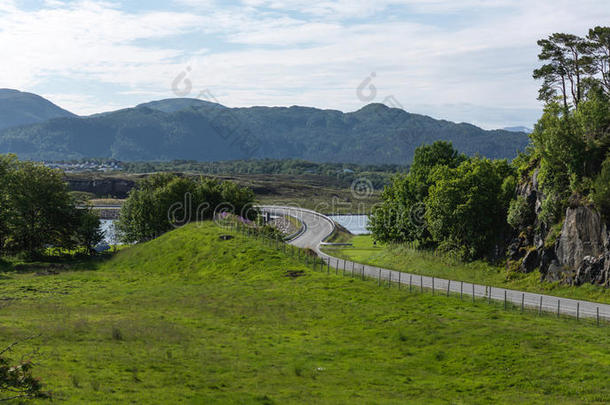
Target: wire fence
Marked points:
507	299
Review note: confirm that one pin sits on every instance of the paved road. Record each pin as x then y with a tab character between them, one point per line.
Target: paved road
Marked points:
318	227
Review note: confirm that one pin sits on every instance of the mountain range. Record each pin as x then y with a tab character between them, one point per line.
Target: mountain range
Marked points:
193	129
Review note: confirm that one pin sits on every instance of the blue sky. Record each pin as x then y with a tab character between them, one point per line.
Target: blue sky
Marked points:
461	60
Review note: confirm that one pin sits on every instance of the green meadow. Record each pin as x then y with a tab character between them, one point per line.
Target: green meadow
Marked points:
192	318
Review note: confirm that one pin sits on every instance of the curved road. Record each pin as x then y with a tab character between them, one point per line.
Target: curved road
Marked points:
317	227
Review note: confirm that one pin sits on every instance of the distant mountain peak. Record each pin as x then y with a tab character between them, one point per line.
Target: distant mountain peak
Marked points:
18	108
518	129
374	107
171	105
6	92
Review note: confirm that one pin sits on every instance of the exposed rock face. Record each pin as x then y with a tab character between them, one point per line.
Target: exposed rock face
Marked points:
530	261
583	234
581	253
105	187
555	272
520	248
593	270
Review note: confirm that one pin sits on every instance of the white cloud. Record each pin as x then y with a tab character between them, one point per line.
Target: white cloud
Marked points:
85	39
293	51
80	104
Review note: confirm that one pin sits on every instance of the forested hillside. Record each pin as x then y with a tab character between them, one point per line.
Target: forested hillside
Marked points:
198	130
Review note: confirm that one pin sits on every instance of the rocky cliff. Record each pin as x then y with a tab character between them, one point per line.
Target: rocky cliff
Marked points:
102	187
579	254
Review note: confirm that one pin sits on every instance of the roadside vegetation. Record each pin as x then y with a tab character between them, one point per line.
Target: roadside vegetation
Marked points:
193	318
409	258
474	208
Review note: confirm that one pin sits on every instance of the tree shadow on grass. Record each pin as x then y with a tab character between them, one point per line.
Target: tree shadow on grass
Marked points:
53	264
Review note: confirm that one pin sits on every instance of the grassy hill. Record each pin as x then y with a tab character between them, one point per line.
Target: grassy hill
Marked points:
190	318
203	131
18	108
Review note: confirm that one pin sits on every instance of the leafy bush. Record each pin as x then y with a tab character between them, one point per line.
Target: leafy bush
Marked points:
601	186
553	235
520	213
551	209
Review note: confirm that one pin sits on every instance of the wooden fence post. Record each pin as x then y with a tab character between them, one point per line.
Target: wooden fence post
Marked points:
473	292
558	304
505	300
421	284
461	289
389	279
399	274
489	297
448	286
432	285
522	301
379	278
578	311
597	316
540	307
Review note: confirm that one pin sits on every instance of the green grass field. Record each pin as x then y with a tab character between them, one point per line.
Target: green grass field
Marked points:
190	318
427	263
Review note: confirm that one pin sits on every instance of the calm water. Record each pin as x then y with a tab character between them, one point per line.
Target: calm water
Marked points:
356	224
107	226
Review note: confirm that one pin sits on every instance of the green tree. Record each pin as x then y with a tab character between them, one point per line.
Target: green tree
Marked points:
42	210
87	233
7	168
559	142
571	140
599	45
569	61
162	202
466	208
400	217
